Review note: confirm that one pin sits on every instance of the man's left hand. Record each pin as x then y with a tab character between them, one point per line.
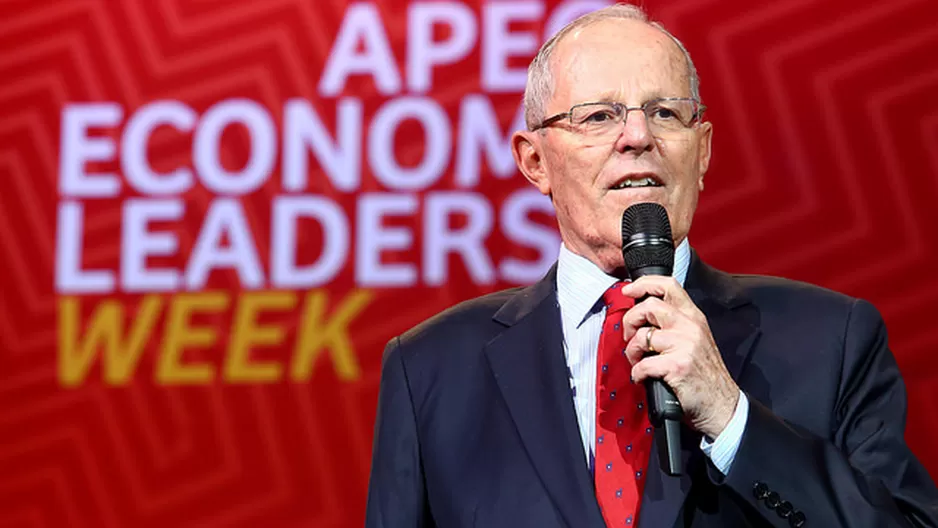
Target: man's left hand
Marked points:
687	357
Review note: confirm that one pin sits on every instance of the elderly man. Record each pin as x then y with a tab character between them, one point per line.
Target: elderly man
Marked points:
505	410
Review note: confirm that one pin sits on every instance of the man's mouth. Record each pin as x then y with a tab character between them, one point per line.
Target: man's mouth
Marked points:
631	183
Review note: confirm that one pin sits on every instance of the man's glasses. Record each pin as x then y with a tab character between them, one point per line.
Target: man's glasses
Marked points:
666	116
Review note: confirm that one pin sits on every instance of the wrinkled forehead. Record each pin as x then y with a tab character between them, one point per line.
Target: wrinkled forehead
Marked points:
617	59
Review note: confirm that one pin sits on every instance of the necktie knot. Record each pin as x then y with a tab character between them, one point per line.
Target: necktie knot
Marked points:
615	300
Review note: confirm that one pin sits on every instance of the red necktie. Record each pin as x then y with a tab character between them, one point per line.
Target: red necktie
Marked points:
623	433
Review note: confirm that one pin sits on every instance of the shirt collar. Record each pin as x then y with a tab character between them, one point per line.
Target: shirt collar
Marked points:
580	283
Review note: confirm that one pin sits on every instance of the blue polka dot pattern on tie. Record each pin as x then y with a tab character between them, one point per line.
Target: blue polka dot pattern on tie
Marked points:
617	396
638	474
648	430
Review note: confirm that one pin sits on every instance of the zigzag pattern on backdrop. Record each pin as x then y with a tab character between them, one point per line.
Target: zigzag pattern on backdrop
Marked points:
836	143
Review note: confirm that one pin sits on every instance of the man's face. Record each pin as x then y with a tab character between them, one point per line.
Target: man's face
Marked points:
630	62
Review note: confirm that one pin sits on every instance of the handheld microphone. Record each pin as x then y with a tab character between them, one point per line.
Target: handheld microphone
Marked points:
648	249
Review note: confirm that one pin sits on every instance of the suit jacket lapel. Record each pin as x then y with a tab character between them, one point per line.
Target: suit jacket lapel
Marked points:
735	327
528	362
734	320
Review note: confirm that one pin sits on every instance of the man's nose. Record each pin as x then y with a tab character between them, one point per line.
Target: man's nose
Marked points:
635	136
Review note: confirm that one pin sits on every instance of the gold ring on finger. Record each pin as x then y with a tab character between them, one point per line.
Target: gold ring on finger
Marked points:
648	344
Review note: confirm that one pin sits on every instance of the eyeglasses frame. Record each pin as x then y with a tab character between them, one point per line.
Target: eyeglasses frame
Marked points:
698	115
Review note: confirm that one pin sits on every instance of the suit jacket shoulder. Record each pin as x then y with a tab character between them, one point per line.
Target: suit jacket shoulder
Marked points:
466	320
827	405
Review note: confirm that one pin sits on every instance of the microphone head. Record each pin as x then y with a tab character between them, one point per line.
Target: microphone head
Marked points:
647	246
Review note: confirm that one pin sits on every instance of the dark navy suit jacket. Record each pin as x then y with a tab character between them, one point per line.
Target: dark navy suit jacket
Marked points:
476	424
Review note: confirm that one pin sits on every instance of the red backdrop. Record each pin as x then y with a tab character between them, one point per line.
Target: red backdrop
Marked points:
235	395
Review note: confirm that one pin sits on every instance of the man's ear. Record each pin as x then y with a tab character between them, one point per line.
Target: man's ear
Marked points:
705	135
525	147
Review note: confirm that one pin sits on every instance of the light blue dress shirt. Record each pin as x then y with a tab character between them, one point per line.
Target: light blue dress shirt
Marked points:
580	286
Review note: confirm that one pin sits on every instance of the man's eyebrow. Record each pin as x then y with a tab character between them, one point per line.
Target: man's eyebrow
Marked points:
598	99
610	98
606	98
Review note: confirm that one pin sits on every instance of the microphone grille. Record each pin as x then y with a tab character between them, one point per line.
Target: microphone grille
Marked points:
647	222
646	217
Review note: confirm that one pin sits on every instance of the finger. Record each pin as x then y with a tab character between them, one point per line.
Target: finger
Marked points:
657	367
661	286
653	311
661	341
635	347
676	297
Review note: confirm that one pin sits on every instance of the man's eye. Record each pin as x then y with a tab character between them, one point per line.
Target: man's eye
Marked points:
599	117
660	112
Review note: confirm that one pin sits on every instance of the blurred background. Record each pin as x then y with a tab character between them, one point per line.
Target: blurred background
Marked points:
214	215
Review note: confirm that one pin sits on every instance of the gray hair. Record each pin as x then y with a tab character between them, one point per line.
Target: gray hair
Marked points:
540	85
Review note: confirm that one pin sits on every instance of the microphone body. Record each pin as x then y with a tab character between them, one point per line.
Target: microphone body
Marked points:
648	249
